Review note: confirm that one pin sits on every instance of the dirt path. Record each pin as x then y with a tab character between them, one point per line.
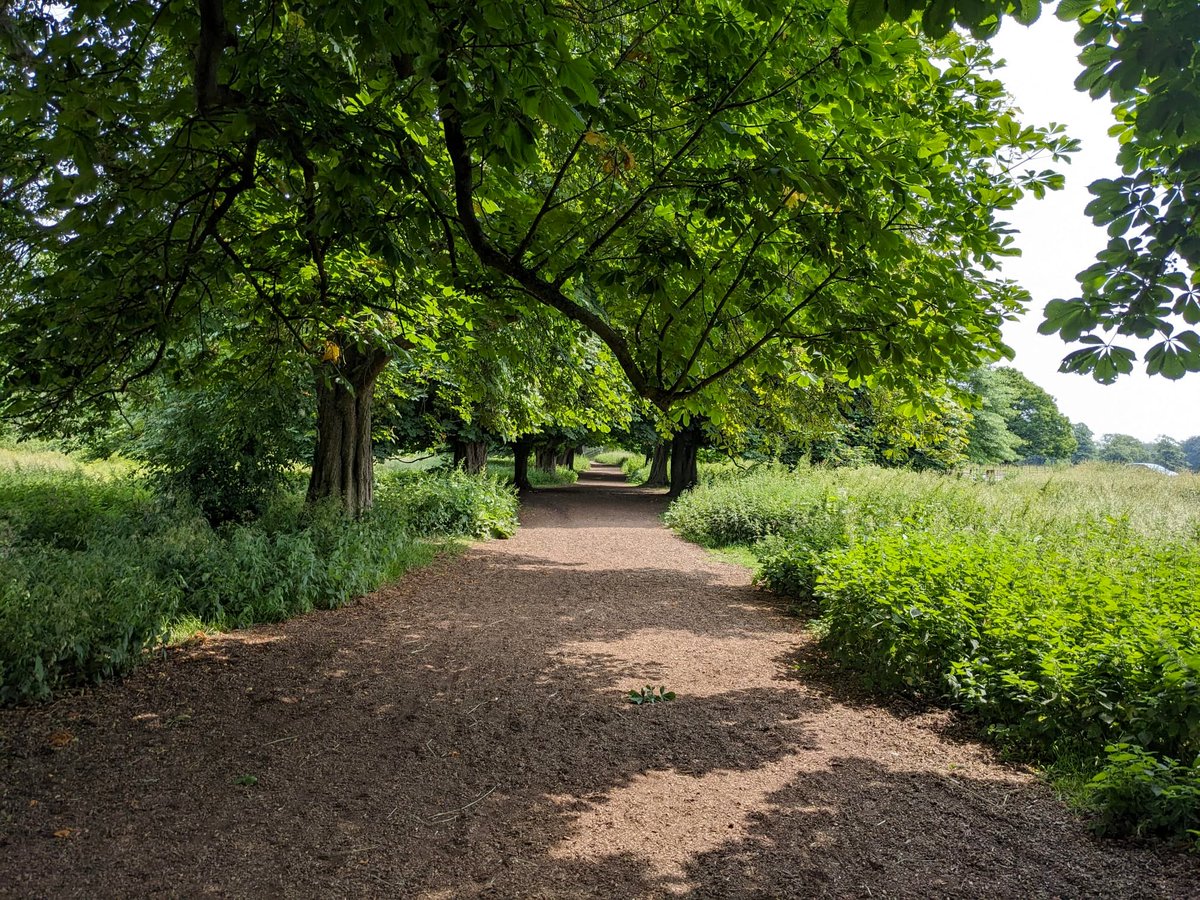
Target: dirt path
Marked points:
464	734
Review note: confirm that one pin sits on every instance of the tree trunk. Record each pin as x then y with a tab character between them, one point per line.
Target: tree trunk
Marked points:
470	456
569	458
343	465
684	446
660	463
546	459
521	466
476	457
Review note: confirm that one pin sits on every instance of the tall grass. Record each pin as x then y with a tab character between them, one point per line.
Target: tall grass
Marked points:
617	457
1061	607
95	570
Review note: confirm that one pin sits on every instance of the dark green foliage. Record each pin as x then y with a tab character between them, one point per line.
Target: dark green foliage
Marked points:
1123	448
1034	417
989	438
1191	452
1141	793
1168	452
227	448
1085	443
1062	611
95	572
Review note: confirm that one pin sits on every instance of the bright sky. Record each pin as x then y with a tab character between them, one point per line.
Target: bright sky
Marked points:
1058	240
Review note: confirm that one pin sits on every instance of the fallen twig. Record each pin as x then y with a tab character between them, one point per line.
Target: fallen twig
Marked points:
451	814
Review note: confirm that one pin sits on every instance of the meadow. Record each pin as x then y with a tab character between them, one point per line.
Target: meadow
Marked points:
97	570
1058	607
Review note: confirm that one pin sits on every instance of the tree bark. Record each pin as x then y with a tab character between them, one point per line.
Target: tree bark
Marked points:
343	464
660	465
684	447
476	457
470	456
569	458
546	459
521	451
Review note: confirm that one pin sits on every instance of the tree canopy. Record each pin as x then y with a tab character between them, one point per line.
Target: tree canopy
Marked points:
722	194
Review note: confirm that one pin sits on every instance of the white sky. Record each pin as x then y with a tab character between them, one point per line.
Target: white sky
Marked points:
1058	241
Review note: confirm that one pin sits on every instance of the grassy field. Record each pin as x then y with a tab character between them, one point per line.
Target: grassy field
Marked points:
96	570
1060	607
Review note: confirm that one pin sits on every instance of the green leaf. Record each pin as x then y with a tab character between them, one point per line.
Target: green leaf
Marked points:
1069	10
866	15
938	18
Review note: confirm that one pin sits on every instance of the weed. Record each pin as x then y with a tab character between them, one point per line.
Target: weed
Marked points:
648	695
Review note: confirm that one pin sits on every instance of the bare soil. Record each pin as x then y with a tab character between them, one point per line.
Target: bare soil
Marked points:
465	733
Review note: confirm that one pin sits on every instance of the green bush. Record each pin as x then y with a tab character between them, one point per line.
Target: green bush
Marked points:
95	571
1140	793
1061	609
452	503
225	449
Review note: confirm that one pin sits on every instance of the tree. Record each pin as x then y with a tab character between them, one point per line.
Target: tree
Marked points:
1033	416
704	187
170	169
1144	56
989	438
814	190
1085	443
1168	453
1191	452
1123	448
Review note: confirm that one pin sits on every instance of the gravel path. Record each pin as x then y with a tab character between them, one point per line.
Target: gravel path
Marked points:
464	734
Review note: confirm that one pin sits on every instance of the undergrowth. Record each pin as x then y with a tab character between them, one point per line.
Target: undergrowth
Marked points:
1059	607
502	467
95	569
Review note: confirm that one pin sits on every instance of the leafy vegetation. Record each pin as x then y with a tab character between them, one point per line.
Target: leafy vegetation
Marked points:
647	695
1060	607
502	467
95	569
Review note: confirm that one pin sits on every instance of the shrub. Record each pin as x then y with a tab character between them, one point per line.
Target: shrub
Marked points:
452	503
1061	609
226	449
95	571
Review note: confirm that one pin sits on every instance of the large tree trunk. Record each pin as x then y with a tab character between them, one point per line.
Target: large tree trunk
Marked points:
471	456
343	465
521	451
660	463
569	458
684	446
476	461
546	459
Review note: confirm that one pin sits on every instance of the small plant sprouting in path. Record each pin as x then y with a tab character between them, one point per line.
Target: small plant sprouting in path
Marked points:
647	695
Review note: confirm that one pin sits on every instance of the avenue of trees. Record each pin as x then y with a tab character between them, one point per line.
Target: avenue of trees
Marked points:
470	224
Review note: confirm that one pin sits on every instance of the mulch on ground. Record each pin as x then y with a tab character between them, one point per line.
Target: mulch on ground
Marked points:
465	733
